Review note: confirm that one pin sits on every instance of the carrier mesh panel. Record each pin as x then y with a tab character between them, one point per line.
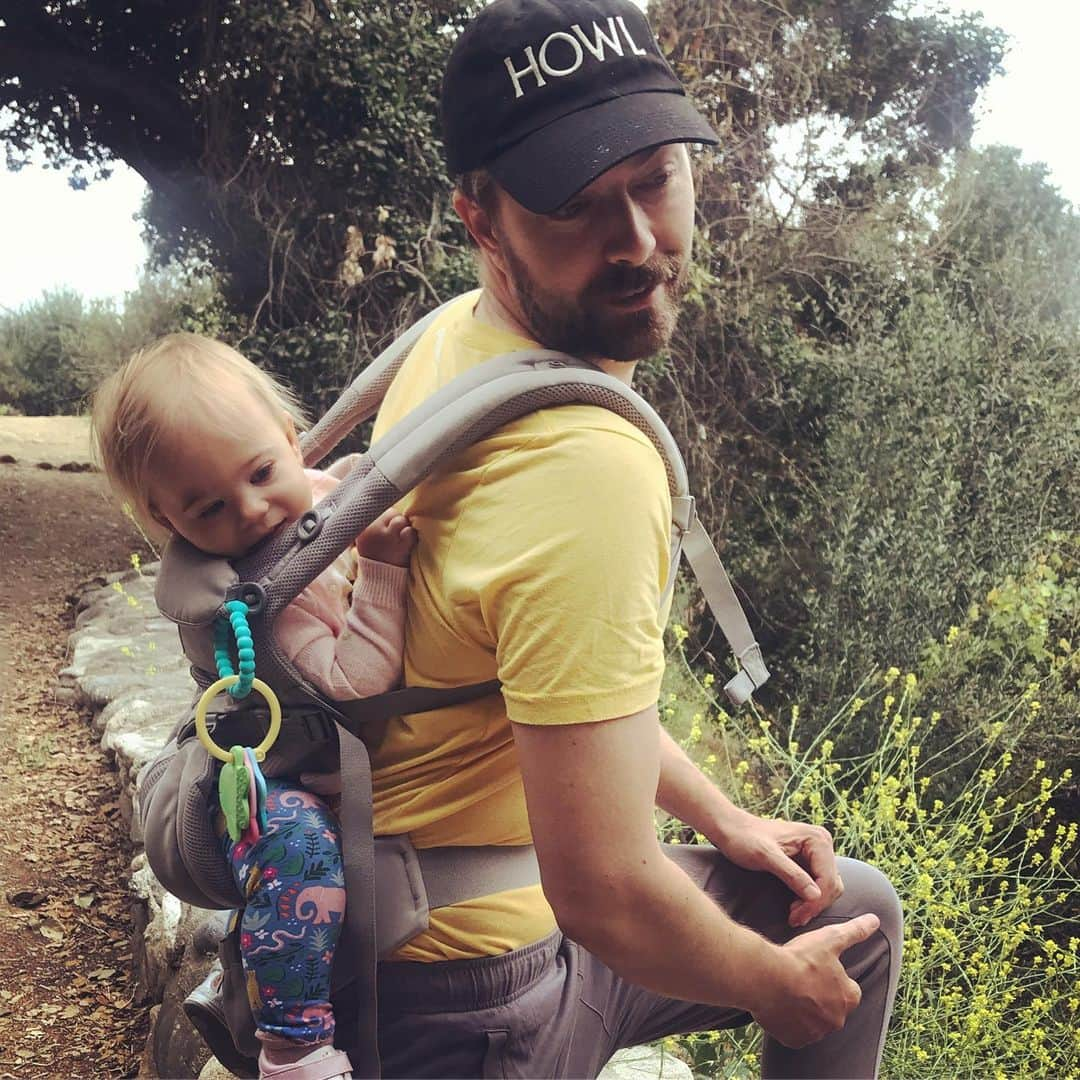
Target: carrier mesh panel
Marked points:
365	503
202	852
286	577
153	773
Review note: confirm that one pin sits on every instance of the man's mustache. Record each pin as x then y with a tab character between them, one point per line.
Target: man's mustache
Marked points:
621	280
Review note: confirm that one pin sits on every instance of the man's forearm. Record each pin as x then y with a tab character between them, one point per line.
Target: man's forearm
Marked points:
659	930
689	796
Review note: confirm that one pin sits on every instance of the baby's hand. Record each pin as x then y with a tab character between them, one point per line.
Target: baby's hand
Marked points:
390	538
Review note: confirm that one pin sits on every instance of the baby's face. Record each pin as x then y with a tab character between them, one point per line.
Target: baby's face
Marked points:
230	485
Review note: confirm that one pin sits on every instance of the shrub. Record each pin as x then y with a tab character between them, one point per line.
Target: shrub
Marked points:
54	350
36	342
1018	637
991	981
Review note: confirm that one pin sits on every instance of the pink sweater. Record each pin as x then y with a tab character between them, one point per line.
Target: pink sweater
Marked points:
347	639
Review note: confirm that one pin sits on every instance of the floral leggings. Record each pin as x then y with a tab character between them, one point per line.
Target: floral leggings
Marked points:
294	883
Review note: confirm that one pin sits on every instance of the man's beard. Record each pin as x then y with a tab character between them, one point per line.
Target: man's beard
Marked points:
586	326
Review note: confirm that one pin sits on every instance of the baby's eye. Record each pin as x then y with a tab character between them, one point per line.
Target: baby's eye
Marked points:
211	510
263	473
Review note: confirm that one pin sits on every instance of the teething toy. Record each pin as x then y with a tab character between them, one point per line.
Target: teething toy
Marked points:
241	785
233	786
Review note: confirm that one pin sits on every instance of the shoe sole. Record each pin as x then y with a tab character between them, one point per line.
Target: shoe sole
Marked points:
208	1019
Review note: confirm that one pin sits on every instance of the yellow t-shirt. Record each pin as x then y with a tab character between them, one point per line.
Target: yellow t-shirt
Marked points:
543	552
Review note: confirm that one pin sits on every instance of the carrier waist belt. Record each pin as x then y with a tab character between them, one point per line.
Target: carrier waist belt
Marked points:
409	883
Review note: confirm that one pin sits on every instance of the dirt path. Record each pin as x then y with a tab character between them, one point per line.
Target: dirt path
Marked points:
67	997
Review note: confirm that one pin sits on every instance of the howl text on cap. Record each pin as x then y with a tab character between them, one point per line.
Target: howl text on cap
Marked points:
538	62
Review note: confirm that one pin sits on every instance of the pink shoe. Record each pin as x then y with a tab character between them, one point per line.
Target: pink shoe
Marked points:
297	1061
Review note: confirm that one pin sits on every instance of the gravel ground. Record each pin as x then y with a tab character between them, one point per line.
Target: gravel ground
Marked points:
67	996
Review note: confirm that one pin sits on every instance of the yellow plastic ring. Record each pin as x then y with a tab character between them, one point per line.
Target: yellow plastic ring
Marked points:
212	692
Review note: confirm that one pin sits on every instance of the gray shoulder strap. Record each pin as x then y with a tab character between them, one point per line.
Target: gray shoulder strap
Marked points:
361	400
470	407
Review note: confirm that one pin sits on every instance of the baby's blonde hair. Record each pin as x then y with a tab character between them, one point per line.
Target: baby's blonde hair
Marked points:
143	405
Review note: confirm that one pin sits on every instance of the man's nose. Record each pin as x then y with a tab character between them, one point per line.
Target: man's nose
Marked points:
631	238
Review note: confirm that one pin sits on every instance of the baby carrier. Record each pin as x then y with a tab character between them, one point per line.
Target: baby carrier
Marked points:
391	887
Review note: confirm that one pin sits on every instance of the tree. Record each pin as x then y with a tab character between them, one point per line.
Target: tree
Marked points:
836	120
54	350
289	144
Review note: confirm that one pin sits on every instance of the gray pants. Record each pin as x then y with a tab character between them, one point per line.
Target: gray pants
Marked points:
553	1010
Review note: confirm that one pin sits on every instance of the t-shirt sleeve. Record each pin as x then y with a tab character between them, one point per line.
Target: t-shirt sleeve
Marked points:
571	552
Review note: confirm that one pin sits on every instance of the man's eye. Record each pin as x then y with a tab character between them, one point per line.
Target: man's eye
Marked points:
263	473
567	212
211	510
661	179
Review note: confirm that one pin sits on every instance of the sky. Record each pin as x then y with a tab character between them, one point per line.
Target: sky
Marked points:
89	240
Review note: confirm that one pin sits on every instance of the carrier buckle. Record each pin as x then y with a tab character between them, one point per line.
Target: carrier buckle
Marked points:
318	727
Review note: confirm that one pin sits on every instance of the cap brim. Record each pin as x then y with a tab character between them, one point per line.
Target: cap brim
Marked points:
553	164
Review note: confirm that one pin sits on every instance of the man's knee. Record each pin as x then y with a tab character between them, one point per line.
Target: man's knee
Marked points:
867	889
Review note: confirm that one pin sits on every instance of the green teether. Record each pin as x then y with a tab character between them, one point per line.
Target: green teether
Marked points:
233	793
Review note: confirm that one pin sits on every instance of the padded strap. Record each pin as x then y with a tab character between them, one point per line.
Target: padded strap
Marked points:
362	398
715	585
358	850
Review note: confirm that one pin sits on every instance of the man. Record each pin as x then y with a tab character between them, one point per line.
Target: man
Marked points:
543	551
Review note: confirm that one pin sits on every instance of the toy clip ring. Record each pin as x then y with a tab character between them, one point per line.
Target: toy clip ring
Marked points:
223	684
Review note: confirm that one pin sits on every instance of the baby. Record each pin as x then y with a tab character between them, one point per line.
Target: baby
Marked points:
203	444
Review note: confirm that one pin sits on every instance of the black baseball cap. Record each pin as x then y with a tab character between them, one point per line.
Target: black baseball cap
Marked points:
548	94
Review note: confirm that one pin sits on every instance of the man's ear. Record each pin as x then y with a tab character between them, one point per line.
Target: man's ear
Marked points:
479	222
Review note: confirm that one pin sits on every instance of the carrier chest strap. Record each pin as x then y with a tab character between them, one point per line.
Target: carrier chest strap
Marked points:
410	700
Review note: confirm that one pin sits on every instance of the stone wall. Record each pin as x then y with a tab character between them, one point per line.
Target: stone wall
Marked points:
125	661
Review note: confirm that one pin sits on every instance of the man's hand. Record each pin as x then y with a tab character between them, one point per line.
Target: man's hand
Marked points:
814	996
800	855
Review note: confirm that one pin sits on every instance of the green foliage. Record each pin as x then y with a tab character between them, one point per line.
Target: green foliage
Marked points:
943	458
982	852
55	350
37	376
1019	639
291	146
318	358
876	463
1011	242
